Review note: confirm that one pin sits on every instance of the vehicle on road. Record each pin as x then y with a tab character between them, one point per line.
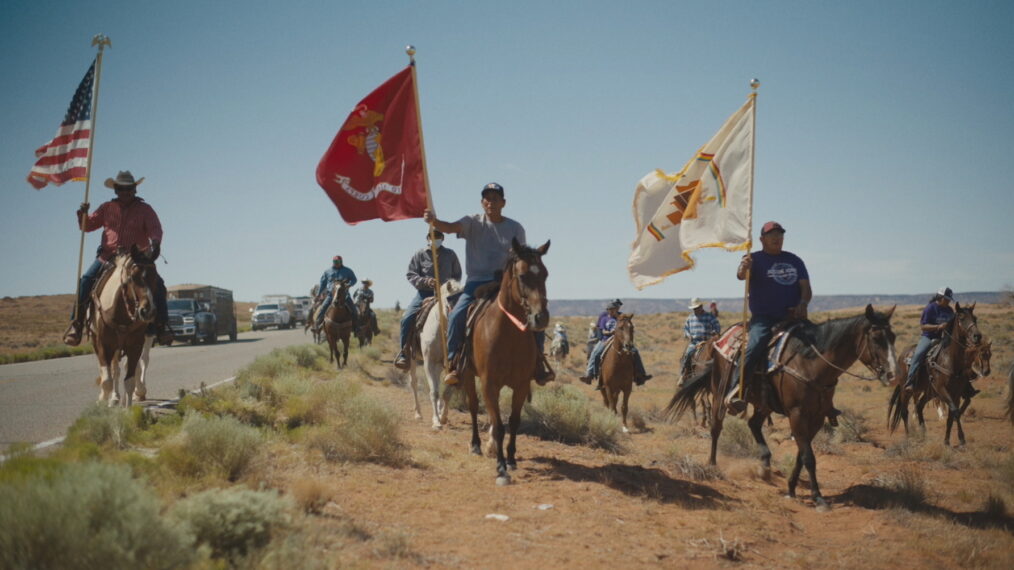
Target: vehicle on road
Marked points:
270	315
201	313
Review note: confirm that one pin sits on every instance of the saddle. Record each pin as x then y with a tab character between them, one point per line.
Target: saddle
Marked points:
731	342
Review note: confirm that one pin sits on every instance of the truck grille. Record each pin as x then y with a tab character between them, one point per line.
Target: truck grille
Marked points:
175	321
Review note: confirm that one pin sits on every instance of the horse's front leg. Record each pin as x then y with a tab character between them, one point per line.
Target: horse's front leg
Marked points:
804	438
129	377
496	429
623	409
468	382
415	393
345	351
141	390
517	402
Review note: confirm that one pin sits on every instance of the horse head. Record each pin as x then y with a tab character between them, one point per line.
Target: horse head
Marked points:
964	327
981	357
623	334
524	281
877	351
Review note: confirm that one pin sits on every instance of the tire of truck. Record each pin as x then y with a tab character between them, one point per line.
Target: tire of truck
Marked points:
232	333
213	337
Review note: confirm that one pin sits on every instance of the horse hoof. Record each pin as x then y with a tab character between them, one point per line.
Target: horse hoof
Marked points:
625	430
503	480
512	466
476	450
822	506
418	416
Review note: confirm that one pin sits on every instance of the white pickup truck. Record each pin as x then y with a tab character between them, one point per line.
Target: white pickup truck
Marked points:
270	315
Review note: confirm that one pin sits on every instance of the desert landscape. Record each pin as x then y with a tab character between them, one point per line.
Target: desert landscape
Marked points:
400	494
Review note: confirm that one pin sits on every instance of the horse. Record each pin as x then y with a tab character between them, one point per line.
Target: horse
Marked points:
429	350
560	347
802	385
364	332
699	362
1010	394
618	367
123	306
977	359
338	324
944	377
503	349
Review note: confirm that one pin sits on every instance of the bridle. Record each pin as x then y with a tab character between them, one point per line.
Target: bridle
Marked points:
521	291
129	285
627	347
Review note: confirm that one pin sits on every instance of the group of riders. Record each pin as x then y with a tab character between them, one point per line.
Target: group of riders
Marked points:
323	296
778	290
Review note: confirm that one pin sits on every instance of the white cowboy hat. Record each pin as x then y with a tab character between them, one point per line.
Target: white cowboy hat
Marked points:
694	303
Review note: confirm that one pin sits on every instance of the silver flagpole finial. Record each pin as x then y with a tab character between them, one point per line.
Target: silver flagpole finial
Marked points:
754	83
410	50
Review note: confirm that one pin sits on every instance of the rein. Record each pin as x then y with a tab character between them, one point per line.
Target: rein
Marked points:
866	343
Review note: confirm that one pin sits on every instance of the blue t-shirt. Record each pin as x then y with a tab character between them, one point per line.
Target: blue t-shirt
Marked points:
774	283
935	314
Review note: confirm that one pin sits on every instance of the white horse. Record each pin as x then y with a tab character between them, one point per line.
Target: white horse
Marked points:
433	358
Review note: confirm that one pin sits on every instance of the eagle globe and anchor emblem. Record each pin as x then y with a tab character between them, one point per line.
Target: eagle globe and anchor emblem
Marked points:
363	126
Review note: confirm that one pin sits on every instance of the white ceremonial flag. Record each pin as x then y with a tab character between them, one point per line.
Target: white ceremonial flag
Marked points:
707	204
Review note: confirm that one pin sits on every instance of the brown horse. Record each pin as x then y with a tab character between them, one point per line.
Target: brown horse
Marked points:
945	377
338	324
618	367
503	349
123	306
364	332
699	362
802	386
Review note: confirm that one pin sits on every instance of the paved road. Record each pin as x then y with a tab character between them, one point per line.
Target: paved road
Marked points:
40	400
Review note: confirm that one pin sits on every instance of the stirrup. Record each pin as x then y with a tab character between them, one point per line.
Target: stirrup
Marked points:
73	335
400	362
451	378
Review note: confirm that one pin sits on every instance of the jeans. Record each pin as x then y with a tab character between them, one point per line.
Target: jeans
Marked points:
459	315
408	319
761	333
918	358
326	304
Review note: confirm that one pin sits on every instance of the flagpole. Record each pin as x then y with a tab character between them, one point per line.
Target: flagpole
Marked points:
100	40
754	84
434	253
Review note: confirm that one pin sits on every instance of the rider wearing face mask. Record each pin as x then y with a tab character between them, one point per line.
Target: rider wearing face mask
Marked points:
420	274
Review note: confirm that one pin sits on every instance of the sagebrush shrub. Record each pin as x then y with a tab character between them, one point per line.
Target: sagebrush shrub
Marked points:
85	515
212	445
233	522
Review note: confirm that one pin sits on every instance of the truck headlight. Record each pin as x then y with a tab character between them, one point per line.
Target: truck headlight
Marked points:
188	320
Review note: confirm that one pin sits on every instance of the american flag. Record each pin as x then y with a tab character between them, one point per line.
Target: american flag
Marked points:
66	156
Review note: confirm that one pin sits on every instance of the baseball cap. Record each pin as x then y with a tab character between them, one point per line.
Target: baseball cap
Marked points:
946	293
772	227
492	187
336	258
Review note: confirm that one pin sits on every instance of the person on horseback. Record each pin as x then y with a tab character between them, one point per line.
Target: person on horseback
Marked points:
365	293
422	276
337	272
699	327
935	318
594	334
126	221
779	290
606	324
488	243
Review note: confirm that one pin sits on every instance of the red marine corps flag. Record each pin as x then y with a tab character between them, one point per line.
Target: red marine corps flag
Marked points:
375	165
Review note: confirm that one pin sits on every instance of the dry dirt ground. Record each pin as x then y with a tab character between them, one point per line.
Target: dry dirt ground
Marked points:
574	506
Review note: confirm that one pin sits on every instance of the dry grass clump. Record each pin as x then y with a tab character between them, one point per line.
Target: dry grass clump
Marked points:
688	466
310	494
563	413
736	439
84	515
232	523
361	429
907	489
218	446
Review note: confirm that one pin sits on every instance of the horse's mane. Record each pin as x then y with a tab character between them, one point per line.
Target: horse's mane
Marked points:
527	253
829	333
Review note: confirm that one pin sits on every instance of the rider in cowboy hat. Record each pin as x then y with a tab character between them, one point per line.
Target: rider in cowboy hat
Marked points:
699	327
126	221
366	293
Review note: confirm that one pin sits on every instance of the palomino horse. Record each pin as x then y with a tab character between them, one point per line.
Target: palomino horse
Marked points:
338	324
364	332
802	387
431	350
944	377
123	307
503	349
618	367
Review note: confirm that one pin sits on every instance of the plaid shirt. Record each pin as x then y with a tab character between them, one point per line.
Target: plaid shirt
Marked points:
133	224
698	329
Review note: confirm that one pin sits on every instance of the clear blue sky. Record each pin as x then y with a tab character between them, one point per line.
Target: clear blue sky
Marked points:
883	133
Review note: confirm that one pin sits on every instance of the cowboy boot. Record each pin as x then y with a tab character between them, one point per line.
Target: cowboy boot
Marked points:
543	371
400	361
73	335
451	378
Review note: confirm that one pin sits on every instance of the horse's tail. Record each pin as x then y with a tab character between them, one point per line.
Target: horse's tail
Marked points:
685	397
895	407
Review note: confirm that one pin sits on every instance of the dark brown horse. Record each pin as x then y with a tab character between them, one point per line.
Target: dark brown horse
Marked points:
503	349
802	387
618	367
338	324
946	377
364	332
123	306
699	362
